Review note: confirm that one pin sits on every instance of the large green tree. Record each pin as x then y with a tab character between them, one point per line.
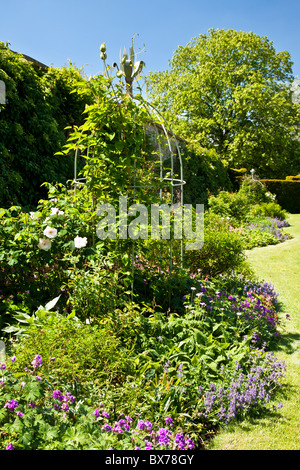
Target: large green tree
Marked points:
228	90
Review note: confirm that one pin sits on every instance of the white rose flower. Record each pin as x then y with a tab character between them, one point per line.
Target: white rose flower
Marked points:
55	211
50	232
80	242
44	244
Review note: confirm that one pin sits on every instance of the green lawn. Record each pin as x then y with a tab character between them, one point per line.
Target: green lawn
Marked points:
280	265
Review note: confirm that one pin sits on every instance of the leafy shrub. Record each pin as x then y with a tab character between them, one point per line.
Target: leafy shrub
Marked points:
227	204
269	209
35	267
222	250
81	353
182	355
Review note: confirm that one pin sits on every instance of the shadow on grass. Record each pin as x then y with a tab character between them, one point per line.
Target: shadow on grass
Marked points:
289	343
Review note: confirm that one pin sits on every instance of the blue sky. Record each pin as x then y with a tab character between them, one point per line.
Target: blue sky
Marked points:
55	31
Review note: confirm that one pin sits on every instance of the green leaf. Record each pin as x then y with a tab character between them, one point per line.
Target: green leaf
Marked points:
52	303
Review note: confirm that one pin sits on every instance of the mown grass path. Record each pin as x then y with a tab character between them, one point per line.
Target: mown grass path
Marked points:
280	265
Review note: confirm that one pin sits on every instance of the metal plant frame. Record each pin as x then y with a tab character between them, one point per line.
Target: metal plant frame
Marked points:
130	71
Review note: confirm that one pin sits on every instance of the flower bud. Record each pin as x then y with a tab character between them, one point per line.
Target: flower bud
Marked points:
103	47
103	55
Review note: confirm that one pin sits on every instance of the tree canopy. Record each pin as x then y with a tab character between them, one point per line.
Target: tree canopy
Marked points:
230	91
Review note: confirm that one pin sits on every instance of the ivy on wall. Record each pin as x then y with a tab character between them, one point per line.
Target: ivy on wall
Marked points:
40	103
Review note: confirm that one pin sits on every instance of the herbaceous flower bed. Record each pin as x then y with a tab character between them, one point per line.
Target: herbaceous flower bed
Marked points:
185	374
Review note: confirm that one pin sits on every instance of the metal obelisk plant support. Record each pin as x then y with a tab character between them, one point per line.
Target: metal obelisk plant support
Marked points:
130	70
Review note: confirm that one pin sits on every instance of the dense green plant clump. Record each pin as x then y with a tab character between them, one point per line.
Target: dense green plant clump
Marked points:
40	103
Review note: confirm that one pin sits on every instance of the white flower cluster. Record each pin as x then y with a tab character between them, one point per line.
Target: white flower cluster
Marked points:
45	243
271	196
50	233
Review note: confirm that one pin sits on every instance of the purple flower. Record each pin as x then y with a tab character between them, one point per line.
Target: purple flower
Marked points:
11	405
106	427
104	413
149	445
3	366
37	361
140	424
163	436
169	421
19	413
68	398
57	394
96	413
123	424
9	447
179	371
32	404
148	425
190	444
117	429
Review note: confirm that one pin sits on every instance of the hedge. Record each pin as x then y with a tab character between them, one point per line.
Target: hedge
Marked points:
287	193
40	103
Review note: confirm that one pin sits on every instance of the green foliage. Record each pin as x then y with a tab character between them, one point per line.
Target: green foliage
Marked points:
30	272
227	90
269	209
84	353
222	250
36	415
97	288
204	174
251	213
39	104
255	191
228	204
119	160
